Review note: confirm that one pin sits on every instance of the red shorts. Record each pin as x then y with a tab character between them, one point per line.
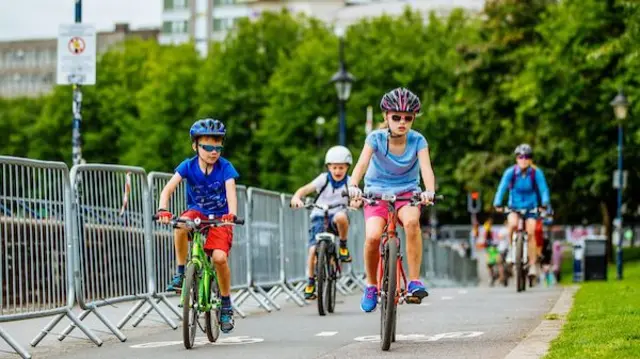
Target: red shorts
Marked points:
217	237
381	210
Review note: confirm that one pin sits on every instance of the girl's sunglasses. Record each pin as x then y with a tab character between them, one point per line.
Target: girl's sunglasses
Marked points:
407	118
524	157
211	148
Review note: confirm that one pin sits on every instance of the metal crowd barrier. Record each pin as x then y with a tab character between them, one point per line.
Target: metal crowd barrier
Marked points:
115	259
36	271
102	246
296	236
240	255
162	240
265	220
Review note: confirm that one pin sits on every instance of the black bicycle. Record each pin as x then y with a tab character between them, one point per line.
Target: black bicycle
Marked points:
520	243
327	264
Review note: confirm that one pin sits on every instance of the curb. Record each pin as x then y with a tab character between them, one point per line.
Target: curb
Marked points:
536	344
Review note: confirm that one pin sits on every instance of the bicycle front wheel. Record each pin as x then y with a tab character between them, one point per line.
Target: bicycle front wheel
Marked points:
332	272
190	307
388	294
212	317
321	276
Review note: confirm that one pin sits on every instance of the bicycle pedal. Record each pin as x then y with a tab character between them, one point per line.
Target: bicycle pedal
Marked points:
410	299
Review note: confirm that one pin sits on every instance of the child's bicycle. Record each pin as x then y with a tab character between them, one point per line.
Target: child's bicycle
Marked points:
200	288
327	263
390	271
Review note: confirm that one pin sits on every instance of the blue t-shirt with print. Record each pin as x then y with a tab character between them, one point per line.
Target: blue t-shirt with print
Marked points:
207	194
393	174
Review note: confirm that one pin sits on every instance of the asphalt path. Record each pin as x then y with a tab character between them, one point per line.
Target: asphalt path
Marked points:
479	322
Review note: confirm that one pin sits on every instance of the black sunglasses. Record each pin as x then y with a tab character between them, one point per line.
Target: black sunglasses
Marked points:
407	118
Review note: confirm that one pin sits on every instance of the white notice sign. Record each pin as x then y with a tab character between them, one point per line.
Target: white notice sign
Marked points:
77	54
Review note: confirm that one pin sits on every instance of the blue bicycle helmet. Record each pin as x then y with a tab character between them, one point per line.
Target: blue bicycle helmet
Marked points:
207	127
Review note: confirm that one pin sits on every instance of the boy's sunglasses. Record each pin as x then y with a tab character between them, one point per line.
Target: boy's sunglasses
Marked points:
211	148
407	118
524	157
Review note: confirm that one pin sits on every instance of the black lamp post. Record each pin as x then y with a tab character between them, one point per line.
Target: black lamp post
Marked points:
343	81
620	109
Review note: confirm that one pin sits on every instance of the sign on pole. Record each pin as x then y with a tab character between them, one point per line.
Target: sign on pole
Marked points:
616	179
76	54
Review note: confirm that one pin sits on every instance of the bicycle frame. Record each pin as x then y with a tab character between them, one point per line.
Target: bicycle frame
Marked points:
391	232
521	230
326	235
199	258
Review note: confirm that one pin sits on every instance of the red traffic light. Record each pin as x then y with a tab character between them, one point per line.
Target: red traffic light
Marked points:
475	195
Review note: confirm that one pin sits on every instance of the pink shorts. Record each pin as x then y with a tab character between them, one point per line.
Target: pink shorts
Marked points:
381	210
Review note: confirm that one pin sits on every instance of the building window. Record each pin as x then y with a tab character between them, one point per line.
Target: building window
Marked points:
223	24
166	27
175	27
223	2
175	4
180	27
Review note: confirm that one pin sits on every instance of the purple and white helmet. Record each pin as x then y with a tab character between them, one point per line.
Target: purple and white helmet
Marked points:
400	100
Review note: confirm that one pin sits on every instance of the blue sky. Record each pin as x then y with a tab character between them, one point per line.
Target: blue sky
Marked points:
26	19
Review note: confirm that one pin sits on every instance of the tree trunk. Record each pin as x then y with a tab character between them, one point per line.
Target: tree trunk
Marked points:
606	221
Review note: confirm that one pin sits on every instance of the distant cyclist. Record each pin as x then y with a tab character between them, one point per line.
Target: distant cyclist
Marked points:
527	190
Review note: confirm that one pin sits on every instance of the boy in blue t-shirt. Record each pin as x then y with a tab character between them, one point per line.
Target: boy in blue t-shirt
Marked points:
211	190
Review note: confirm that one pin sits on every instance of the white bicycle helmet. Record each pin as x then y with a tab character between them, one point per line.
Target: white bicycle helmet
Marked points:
338	154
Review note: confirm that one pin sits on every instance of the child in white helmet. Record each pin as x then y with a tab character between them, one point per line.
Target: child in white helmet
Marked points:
329	187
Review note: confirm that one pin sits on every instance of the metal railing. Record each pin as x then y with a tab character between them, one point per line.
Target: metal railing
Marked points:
86	236
36	269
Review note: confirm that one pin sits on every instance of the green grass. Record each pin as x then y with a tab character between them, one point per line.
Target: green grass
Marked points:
604	321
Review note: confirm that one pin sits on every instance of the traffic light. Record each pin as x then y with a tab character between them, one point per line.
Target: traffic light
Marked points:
474	202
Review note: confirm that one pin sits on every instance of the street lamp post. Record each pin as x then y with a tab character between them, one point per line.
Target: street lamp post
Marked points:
343	81
620	109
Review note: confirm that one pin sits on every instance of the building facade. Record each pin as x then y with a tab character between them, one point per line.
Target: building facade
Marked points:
28	67
210	20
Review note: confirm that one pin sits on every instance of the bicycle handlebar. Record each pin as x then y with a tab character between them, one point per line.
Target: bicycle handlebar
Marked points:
415	199
201	223
524	212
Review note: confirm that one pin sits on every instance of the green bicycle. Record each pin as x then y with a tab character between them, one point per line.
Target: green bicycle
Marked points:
200	288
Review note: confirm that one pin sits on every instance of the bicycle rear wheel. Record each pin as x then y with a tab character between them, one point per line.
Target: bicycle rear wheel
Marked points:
212	317
321	276
520	278
388	294
190	307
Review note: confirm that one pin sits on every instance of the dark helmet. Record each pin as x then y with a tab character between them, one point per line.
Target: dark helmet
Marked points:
207	127
400	100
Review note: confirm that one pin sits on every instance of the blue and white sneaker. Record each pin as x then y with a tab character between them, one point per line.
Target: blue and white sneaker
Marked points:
417	289
369	299
176	284
226	319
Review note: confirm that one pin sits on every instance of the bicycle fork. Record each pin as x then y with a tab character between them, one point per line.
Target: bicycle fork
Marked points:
401	278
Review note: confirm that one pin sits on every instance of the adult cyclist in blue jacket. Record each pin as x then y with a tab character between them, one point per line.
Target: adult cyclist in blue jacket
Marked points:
527	190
